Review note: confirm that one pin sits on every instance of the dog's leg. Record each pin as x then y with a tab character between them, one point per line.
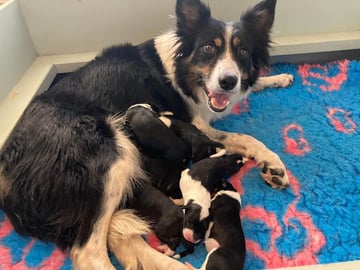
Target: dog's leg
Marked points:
273	170
131	250
118	186
281	80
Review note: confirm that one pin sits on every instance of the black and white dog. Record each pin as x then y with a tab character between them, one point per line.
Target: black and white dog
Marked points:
225	240
198	185
69	167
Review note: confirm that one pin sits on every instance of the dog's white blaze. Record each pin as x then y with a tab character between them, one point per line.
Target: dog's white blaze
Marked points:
226	65
193	190
232	194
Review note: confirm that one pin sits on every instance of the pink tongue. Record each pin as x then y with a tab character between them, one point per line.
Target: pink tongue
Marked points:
219	100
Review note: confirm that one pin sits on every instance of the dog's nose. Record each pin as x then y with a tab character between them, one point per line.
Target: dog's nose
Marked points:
228	82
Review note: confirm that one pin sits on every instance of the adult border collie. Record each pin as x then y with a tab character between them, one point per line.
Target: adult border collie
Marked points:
70	167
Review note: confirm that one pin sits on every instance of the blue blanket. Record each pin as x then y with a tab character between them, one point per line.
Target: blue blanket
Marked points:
313	126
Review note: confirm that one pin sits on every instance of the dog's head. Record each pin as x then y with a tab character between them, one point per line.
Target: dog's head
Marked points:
215	62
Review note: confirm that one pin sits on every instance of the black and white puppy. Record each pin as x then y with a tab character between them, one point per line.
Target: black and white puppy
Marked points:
198	184
225	239
225	236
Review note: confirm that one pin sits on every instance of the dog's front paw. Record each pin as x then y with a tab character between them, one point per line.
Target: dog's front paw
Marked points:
283	80
275	174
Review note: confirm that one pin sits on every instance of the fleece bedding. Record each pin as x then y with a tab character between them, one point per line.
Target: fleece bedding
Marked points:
314	127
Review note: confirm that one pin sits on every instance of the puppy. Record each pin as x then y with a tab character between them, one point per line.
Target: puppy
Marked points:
225	235
166	217
197	185
225	239
167	145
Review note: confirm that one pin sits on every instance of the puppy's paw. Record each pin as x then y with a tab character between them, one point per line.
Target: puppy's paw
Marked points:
166	250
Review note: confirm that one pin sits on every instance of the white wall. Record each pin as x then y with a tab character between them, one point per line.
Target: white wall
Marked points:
68	26
17	51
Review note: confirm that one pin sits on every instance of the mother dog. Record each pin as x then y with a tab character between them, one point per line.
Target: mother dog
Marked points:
70	167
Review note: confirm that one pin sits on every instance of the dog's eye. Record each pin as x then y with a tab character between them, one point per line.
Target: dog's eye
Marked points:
243	52
208	49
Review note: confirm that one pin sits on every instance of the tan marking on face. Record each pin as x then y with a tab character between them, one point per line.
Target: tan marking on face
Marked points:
218	42
193	81
236	41
118	186
204	71
244	76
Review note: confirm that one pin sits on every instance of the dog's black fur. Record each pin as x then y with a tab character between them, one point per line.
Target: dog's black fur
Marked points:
198	185
69	164
226	230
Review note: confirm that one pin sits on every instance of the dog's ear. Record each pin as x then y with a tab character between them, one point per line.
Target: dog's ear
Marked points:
191	14
261	16
259	20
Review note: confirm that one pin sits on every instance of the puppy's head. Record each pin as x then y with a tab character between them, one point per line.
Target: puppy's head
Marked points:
216	62
212	171
169	229
194	226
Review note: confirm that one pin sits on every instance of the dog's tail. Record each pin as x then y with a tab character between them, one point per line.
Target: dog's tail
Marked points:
126	223
126	242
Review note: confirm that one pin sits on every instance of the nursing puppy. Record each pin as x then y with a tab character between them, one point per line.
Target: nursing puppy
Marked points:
198	184
165	217
167	145
70	166
225	239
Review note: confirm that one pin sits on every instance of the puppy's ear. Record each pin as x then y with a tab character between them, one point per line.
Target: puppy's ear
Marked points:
191	14
261	16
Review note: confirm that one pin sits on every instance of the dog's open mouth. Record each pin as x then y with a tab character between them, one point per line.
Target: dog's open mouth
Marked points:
217	101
